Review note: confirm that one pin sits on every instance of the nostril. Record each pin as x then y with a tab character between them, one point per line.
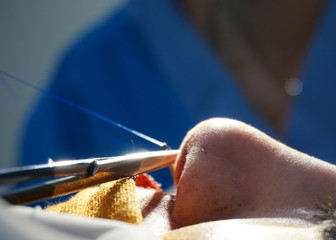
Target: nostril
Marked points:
180	163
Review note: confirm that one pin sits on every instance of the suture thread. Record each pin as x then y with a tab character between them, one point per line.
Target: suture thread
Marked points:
65	101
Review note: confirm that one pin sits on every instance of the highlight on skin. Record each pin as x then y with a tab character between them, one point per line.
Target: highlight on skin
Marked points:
237	171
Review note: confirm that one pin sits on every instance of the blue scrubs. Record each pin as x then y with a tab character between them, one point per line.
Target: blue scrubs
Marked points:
146	67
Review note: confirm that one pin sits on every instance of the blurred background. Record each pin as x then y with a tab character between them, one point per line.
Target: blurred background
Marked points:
146	68
33	36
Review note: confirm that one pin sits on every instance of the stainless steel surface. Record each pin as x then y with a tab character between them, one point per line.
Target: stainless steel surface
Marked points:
84	173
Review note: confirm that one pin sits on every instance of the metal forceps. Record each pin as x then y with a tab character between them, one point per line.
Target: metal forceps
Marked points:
73	175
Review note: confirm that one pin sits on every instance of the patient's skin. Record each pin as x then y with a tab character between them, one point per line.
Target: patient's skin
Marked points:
230	170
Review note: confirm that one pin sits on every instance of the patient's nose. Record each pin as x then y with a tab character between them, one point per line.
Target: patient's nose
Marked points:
228	169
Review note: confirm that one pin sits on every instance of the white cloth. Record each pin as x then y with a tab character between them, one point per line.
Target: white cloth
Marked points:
19	222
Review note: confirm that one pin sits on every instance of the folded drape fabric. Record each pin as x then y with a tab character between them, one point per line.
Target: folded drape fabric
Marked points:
112	200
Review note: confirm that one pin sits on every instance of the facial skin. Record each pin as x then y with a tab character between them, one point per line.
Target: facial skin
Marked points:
239	178
228	169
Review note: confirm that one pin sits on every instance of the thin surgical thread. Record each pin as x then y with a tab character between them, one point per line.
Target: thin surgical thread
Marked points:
11	91
58	98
